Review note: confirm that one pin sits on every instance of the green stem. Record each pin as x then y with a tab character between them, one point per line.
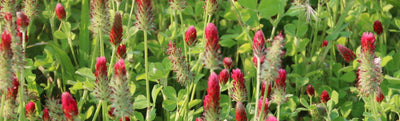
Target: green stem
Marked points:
83	99
187	101
310	100
258	88
22	82
146	65
279	110
130	14
70	44
183	34
101	43
97	111
3	99
112	61
105	113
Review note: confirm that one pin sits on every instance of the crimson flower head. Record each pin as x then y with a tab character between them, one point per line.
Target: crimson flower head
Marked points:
8	17
60	11
379	97
5	45
212	57
228	63
280	81
211	100
212	37
346	53
263	86
271	118
119	68
266	103
30	109
199	119
116	30
238	90
240	112
190	36
144	15
325	96
69	106
258	44
262	59
378	27
46	116
22	20
223	76
367	42
324	43
121	51
101	68
13	91
310	90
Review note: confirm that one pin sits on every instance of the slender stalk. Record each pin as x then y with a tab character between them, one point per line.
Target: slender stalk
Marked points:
258	88
146	66
279	110
183	35
187	101
22	81
3	99
112	60
70	43
130	13
310	100
101	43
105	113
97	111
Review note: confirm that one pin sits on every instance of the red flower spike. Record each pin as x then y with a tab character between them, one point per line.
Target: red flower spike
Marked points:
310	90
258	44
190	36
13	91
324	43
116	30
346	53
211	100
262	59
30	109
144	15
212	57
239	90
5	45
119	68
280	81
69	106
378	27
228	63
8	17
121	51
367	42
325	96
212	37
240	112
379	97
266	103
60	11
46	116
223	76
199	119
271	118
101	68
22	20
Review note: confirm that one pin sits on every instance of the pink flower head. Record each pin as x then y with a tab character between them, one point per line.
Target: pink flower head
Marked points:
190	36
121	51
260	103
30	109
199	119
211	100
144	15
212	57
378	27
238	90
258	44
228	63
324	43
22	20
119	68
310	90
13	91
280	81
46	116
101	68
212	37
262	59
69	106
379	97
346	53
116	30
223	76
271	118
263	86
325	96
60	11
367	42
240	112
5	45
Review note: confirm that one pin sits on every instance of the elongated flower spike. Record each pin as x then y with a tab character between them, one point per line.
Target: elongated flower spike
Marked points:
239	93
223	76
240	112
56	110
273	61
144	15
22	20
212	51
191	36
271	118
346	53
211	100
99	17
121	96
60	12
30	8
259	44
69	106
177	5
378	27
279	95
46	116
179	64
30	110
101	90
6	76
228	63
325	96
116	30
210	6
367	42
310	90
121	51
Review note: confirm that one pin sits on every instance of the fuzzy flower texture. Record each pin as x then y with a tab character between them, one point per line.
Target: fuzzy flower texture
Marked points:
239	93
121	95
144	15
211	100
179	65
69	106
212	57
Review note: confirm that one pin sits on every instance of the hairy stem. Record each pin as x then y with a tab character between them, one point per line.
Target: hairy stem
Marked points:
146	66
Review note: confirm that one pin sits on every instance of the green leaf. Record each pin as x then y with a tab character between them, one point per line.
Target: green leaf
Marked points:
245	48
290	29
169	105
140	102
386	60
268	8
304	102
155	91
138	116
345	109
252	4
86	72
170	93
89	112
194	103
348	77
227	43
60	35
335	97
